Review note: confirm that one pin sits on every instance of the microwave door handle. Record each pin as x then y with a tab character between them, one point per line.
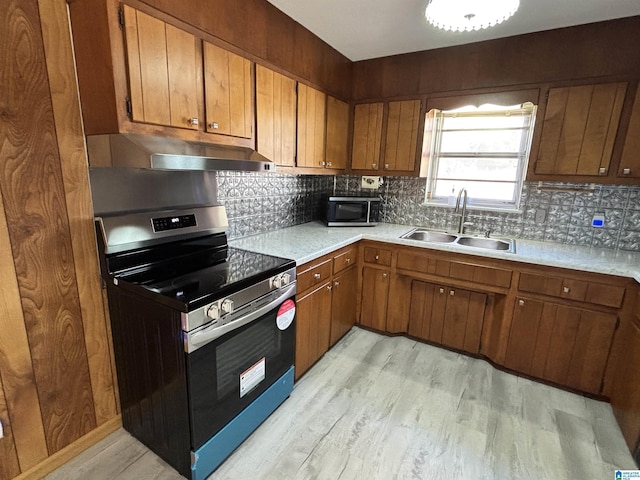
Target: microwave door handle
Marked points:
368	219
206	335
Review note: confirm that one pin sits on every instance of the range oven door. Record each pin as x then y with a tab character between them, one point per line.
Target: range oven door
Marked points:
225	375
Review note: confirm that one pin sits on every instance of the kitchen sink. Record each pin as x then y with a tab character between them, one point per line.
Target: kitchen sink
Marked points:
429	236
424	235
490	243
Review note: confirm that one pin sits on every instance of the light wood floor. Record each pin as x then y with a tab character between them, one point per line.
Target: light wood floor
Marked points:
380	408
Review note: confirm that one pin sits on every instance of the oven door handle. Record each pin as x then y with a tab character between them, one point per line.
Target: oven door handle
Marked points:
200	338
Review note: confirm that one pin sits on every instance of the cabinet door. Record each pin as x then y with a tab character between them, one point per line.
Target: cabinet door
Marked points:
566	345
228	92
162	61
625	394
402	136
311	127
446	315
313	325
463	319
375	295
276	116
579	129
343	307
426	315
630	163
337	152
367	134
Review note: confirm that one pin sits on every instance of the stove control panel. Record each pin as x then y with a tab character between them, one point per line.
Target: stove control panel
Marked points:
281	280
224	310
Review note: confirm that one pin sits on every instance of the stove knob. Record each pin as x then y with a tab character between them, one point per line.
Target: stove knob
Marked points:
213	312
286	279
277	281
227	305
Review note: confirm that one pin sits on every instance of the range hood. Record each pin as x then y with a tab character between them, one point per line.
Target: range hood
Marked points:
166	153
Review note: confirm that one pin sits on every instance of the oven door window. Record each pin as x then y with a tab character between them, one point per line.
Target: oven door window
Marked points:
351	212
226	375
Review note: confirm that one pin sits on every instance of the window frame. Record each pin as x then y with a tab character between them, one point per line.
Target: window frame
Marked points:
435	125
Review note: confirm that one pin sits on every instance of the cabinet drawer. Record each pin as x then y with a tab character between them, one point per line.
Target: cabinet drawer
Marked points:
571	289
378	256
313	274
417	262
345	260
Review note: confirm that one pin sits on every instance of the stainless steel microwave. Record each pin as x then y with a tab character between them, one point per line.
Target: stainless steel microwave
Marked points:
353	211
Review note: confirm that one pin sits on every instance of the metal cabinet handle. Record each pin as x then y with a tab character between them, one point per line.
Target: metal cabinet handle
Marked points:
566	289
626	171
386	166
322	164
193	121
442	290
452	292
377	257
602	171
328	164
348	260
328	287
336	284
316	276
374	165
385	274
214	125
521	303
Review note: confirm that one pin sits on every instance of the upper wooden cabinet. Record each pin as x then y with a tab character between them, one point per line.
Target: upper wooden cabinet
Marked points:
579	129
630	162
402	136
311	127
275	116
162	61
386	146
228	92
337	147
367	134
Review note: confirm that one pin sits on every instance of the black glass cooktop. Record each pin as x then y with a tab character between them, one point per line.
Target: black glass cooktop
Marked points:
192	289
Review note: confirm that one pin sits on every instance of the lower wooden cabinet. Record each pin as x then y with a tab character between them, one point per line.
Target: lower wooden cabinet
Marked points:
565	345
375	297
343	304
449	316
625	394
313	324
326	305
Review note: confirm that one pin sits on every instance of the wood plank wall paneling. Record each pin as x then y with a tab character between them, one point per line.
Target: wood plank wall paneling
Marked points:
56	379
565	54
260	29
66	109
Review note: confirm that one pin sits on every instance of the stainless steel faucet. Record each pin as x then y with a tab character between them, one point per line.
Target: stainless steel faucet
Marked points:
463	214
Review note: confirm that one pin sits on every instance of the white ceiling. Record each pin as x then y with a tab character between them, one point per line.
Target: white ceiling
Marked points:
362	29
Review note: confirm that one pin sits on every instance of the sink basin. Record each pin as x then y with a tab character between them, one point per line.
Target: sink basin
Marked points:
424	235
429	236
489	243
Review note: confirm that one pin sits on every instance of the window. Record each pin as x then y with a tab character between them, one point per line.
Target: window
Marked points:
484	150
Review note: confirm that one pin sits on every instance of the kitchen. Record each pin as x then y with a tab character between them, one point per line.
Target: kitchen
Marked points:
47	206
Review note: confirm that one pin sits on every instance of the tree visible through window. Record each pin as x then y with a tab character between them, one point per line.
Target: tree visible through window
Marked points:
484	150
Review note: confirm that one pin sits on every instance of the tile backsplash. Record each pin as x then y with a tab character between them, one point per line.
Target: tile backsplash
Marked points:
560	212
564	212
261	202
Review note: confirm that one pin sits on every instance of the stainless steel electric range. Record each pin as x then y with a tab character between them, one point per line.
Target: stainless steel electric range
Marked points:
203	333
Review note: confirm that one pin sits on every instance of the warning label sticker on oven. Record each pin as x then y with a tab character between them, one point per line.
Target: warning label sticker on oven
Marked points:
286	313
252	376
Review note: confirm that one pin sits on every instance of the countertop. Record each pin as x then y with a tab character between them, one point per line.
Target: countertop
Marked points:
309	241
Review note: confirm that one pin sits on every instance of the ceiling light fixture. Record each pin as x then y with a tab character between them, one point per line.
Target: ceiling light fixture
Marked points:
467	15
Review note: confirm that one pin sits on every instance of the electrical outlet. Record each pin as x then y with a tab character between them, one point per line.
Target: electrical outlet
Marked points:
598	220
371	182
